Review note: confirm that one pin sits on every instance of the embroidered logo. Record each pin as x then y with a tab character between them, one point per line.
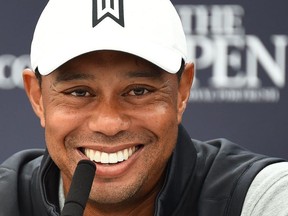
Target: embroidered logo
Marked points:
108	8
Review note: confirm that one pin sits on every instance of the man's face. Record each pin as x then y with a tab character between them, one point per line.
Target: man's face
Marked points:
118	110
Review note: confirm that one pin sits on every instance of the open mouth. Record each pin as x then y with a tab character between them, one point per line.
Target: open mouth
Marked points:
110	158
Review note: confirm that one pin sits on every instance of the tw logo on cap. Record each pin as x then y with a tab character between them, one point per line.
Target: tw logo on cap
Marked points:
108	8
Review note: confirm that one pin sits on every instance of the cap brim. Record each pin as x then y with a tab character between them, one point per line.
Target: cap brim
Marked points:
163	57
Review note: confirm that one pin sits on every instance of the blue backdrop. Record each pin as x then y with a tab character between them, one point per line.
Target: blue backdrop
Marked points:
240	92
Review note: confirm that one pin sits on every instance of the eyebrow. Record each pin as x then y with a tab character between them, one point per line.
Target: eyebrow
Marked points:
145	74
72	76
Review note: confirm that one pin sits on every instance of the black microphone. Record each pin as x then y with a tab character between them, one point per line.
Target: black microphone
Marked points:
81	184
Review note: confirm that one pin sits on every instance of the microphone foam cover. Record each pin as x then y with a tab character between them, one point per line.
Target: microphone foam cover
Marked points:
81	184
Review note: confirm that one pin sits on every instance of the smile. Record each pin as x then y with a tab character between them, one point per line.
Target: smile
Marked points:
110	158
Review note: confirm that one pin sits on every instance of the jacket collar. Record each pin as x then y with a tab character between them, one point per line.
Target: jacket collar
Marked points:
176	196
46	189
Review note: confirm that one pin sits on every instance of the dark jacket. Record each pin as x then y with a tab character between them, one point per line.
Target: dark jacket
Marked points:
203	179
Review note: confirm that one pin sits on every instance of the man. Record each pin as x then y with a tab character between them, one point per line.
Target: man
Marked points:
109	83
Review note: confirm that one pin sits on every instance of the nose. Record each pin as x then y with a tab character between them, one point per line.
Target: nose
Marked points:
108	119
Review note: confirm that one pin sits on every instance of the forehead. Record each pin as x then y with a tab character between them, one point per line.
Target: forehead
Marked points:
107	62
107	57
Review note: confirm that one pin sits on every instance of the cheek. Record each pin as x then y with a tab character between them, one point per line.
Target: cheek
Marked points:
162	121
59	123
158	111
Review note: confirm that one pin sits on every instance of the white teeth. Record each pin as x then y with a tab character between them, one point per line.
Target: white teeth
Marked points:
130	152
97	156
104	157
112	158
125	154
120	156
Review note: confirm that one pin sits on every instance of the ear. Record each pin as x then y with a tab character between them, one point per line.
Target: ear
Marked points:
185	85
33	91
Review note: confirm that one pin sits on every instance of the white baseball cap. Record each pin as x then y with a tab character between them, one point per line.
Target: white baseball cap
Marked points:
150	29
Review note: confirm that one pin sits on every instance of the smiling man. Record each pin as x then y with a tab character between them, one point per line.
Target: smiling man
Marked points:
110	82
100	106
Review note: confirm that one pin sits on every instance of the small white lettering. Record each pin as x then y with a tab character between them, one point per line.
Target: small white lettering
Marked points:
262	95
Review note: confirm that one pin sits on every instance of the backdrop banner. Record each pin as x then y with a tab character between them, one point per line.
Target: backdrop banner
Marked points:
240	92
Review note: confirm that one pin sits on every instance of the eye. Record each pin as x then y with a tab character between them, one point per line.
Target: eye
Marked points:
79	93
138	91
